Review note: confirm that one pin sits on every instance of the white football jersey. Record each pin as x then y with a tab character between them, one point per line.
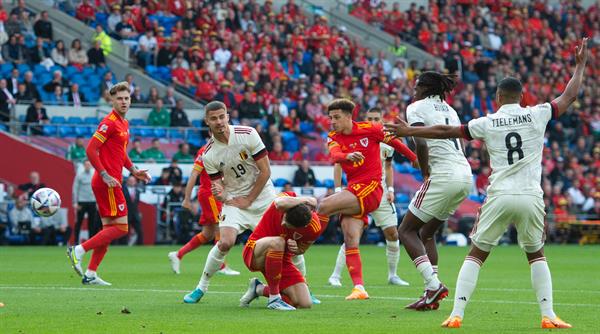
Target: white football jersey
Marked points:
235	163
446	157
387	152
515	139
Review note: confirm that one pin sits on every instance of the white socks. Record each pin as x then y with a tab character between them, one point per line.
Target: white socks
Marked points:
541	280
340	262
298	261
79	252
424	267
213	262
465	284
392	252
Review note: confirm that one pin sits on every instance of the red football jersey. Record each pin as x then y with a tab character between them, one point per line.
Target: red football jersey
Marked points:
270	226
113	134
365	138
204	187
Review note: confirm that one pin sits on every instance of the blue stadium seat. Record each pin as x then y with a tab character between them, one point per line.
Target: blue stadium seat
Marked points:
402	198
160	132
70	71
91	120
175	134
400	168
318	183
56	68
80	79
290	141
58	120
328	183
82	131
306	127
280	182
39	69
74	120
65	131
135	131
43	78
146	133
6	68
93	80
197	123
21	118
23	68
3	127
137	122
49	130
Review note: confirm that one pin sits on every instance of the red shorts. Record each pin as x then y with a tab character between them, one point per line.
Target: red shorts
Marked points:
369	198
211	209
290	275
110	201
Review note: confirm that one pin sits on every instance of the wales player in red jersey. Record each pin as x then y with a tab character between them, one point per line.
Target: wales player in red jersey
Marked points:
355	146
209	218
106	151
287	228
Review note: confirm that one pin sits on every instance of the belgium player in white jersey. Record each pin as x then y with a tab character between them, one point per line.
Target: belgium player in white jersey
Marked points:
515	139
447	181
236	160
384	217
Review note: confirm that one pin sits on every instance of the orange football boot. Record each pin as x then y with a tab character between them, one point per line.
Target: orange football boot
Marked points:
452	322
357	294
554	323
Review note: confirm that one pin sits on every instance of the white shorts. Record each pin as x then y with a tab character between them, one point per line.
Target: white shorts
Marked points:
241	219
385	215
525	211
439	198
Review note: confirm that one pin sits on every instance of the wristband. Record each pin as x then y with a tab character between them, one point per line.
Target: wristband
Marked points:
337	189
103	173
391	189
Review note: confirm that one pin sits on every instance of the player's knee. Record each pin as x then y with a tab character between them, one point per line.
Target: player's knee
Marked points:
225	245
391	234
277	243
325	207
304	304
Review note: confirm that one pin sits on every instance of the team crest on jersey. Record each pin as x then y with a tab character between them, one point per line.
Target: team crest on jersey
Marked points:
243	155
364	142
103	128
121	207
296	236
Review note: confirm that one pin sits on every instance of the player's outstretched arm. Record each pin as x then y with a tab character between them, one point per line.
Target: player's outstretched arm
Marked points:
399	147
188	189
401	129
285	203
570	94
337	177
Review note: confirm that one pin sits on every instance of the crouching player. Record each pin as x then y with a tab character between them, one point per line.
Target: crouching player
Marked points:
288	227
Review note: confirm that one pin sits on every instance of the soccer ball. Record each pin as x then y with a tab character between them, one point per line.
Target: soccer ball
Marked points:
45	202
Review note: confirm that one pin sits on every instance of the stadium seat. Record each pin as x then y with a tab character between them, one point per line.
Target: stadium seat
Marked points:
82	131
146	133
328	183
160	132
39	69
280	182
175	134
49	130
23	68
402	198
74	120
70	71
91	120
3	127
58	120
21	118
197	123
5	69
137	122
65	131
135	131
306	127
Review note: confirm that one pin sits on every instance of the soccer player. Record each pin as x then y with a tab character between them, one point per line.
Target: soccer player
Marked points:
106	152
384	217
447	182
209	219
515	138
355	146
286	229
236	160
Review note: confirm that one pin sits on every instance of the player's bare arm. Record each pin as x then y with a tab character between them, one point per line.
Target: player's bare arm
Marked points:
188	189
264	173
140	174
389	180
402	129
337	177
570	94
422	151
218	190
284	203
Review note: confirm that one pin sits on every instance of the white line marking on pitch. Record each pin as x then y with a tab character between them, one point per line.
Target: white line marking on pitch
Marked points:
106	289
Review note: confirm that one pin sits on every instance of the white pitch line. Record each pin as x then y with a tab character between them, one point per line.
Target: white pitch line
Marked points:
107	289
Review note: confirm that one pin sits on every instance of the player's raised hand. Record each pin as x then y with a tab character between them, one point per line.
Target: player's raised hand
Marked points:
216	189
355	157
142	175
397	128
292	246
390	197
581	52
241	202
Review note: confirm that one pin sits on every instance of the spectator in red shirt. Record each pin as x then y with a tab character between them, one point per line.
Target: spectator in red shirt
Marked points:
278	154
85	12
303	154
482	180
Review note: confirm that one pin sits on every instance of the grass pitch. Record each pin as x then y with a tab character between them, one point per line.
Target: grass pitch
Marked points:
42	294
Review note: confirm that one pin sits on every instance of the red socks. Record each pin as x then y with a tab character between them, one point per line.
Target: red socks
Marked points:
354	265
104	237
273	268
195	242
97	256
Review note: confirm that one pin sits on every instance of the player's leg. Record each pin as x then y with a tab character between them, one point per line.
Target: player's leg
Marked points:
340	262
207	234
343	202
392	253
298	295
353	228
300	263
80	214
494	216
427	235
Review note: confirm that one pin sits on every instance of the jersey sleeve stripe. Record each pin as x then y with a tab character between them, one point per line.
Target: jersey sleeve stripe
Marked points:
100	137
261	154
216	176
198	168
554	109
464	128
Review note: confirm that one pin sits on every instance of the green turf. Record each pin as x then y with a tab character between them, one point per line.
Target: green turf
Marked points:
42	294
